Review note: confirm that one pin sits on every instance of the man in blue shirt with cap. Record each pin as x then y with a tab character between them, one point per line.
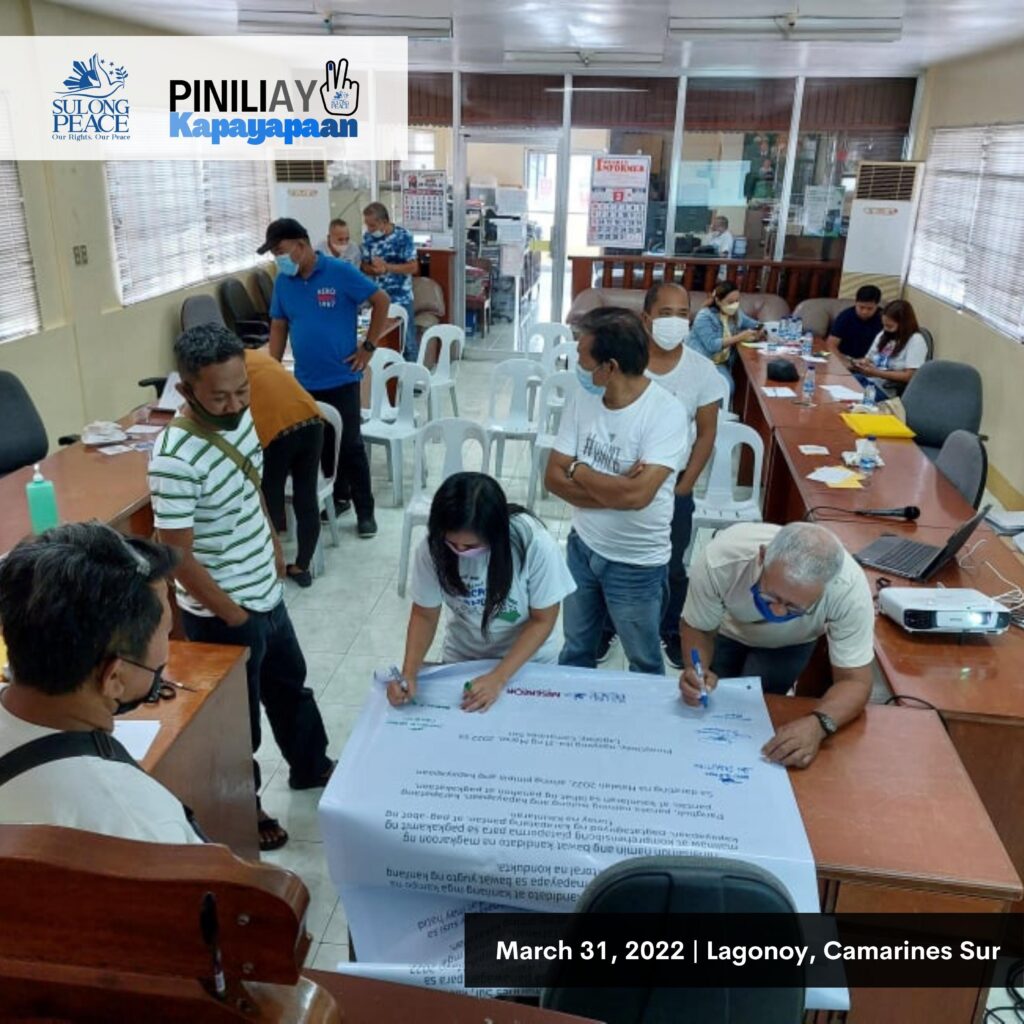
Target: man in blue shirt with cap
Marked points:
316	300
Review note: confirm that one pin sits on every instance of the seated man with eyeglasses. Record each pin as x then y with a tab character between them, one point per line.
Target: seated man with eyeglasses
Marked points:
760	596
86	621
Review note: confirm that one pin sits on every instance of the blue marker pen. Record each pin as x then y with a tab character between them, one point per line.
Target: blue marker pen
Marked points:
699	669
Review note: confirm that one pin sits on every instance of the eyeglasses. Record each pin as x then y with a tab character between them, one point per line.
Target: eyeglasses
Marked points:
770	598
162	689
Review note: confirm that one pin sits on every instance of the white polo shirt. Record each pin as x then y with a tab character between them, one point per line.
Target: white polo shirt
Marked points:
719	598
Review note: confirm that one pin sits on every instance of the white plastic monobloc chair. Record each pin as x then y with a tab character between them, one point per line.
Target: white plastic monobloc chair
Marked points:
554	393
552	357
381	359
451	341
454	433
719	506
396	312
324	493
394	433
516	424
544	336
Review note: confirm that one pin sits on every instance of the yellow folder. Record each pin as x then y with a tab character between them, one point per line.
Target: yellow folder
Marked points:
877	425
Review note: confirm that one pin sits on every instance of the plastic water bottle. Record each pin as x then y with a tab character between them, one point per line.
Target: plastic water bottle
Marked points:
806	344
867	455
868	401
808	385
798	327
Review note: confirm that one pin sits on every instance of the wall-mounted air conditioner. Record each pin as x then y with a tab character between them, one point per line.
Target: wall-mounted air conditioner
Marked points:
881	226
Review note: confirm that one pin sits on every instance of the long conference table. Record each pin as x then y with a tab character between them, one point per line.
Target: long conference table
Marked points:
976	683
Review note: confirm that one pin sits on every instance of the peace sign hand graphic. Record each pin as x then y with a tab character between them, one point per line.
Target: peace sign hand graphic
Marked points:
339	93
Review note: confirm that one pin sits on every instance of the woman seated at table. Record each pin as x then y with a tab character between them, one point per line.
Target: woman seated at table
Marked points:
502	578
721	325
896	353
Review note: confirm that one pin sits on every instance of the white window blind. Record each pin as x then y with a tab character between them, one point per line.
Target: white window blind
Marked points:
969	243
178	222
995	259
938	263
19	300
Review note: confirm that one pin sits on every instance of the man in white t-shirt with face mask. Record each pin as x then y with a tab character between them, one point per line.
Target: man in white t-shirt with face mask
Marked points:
693	379
620	445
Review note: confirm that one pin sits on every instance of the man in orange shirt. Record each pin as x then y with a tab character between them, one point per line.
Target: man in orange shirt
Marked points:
291	432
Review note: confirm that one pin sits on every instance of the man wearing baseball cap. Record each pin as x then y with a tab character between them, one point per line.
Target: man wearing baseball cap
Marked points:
316	300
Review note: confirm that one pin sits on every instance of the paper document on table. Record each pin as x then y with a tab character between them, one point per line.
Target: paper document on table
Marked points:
813	449
815	359
759	345
432	809
779	392
115	449
841	393
831	474
142	429
136	737
170	398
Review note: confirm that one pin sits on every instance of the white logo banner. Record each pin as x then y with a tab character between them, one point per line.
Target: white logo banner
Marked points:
204	98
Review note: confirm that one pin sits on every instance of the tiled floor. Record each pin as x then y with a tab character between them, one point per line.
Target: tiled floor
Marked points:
352	621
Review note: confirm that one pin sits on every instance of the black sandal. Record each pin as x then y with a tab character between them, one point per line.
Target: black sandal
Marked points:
303	577
272	836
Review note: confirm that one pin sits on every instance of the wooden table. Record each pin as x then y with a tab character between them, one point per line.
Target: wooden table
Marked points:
368	1001
203	753
88	485
907	478
896	827
976	683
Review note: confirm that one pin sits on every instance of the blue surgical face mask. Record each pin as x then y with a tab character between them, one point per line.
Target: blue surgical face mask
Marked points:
586	379
286	265
764	609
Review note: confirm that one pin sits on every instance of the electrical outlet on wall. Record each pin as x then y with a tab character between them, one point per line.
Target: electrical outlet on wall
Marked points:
81	253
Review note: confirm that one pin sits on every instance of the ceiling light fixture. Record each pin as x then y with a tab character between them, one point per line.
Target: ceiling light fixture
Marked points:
277	19
791	27
586	58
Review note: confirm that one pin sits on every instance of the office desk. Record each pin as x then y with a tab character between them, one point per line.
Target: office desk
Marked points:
896	827
367	1001
88	485
976	685
907	478
203	753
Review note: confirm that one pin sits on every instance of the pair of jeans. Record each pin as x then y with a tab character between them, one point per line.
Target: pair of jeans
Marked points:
633	596
678	581
296	455
353	479
276	676
778	667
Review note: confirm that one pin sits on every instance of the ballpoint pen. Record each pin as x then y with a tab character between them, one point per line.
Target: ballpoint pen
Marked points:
699	670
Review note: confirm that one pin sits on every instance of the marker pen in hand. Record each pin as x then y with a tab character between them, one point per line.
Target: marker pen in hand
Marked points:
699	669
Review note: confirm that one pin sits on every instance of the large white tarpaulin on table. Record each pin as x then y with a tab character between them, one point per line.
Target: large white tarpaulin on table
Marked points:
571	771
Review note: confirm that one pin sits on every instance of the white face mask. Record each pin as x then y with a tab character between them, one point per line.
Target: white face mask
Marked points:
669	332
731	309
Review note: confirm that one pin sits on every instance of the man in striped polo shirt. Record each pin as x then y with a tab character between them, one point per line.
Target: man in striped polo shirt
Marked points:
204	479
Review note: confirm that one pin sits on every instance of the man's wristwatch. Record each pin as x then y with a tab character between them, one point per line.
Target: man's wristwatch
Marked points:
573	466
826	722
368	346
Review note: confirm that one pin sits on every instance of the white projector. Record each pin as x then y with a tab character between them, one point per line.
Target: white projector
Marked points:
943	610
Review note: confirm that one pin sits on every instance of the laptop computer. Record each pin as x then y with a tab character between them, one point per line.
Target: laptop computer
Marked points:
910	558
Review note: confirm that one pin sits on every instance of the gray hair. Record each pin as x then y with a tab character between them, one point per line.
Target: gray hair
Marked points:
204	345
807	554
378	211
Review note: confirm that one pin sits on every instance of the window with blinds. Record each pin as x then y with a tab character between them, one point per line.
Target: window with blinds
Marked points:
179	222
969	243
19	301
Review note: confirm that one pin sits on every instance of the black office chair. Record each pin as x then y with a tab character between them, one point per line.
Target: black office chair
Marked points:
681	885
204	309
265	288
240	311
23	439
929	341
